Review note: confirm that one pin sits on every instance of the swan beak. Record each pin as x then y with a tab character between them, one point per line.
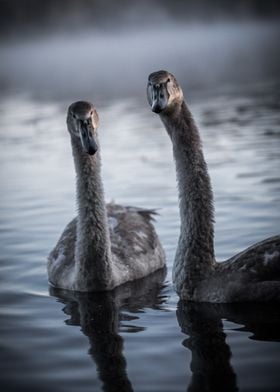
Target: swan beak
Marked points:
159	99
87	138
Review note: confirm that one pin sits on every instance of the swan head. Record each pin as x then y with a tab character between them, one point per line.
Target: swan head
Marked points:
163	92
82	121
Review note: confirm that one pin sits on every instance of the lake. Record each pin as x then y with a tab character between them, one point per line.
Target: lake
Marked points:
138	337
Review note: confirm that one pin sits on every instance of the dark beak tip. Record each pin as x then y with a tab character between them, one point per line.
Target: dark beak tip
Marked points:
92	151
156	109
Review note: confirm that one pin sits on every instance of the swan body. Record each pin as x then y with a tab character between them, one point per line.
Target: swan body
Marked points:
252	275
105	245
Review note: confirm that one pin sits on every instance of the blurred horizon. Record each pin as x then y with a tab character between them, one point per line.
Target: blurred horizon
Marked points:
104	49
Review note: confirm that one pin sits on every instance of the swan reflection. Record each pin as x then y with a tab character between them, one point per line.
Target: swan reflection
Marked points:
210	364
100	316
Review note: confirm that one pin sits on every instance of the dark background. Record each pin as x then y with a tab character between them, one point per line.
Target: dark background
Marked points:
17	16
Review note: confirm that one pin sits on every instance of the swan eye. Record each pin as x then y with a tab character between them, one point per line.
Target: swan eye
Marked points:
73	115
168	80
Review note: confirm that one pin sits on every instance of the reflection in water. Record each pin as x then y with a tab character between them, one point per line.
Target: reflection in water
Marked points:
100	315
37	200
211	354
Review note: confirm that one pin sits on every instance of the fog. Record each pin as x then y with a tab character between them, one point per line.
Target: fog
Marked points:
114	61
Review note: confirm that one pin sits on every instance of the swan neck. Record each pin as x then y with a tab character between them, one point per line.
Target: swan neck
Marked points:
93	248
195	252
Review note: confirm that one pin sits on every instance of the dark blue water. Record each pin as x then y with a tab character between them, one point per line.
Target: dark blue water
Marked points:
138	337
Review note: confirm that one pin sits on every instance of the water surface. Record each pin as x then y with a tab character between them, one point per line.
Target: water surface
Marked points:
138	337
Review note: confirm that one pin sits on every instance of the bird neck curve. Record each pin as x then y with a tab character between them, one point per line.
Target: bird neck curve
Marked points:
195	252
93	246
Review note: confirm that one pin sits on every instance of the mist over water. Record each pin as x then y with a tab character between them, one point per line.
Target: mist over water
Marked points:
111	64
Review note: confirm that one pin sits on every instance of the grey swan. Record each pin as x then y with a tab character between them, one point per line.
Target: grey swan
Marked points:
105	245
252	275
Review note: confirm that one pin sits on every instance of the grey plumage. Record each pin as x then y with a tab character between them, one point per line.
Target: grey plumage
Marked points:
253	275
104	246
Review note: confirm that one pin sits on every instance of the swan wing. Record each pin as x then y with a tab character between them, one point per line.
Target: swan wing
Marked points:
260	261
